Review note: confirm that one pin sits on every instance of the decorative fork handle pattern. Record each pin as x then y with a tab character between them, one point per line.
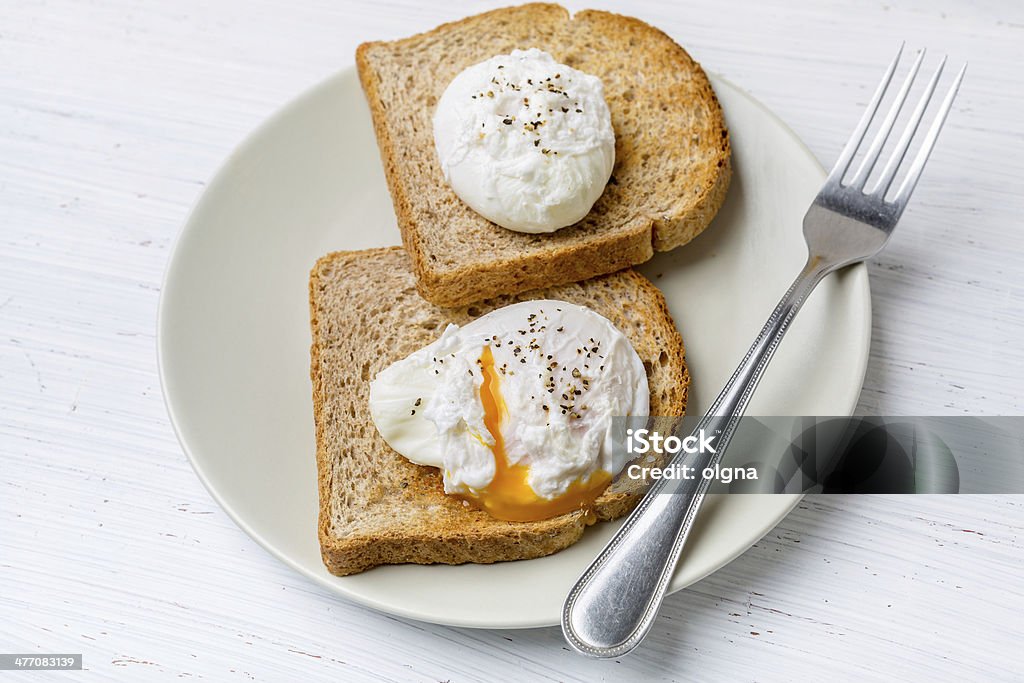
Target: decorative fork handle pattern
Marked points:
613	605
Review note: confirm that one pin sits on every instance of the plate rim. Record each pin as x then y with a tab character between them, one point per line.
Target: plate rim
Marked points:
173	263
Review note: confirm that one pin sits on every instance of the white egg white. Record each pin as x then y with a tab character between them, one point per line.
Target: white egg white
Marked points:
564	372
525	141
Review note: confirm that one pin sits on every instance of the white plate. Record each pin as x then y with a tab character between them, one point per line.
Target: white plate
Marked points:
234	342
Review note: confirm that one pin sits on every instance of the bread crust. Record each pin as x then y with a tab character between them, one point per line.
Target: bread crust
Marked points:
671	136
376	507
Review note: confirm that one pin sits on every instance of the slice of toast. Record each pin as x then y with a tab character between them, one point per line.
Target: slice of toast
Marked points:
376	507
672	154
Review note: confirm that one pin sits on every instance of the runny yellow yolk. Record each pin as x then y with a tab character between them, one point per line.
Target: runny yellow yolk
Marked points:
509	495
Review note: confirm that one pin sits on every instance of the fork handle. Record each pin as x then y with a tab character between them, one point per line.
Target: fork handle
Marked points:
615	602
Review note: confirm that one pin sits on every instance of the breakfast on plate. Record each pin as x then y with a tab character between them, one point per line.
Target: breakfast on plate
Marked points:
477	198
465	386
374	341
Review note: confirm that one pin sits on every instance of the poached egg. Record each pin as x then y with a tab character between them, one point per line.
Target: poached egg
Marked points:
516	407
525	141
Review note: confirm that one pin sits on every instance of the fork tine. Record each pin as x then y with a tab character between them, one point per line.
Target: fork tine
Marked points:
910	182
846	156
871	158
908	134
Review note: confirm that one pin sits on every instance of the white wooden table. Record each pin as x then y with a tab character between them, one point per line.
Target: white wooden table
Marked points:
112	117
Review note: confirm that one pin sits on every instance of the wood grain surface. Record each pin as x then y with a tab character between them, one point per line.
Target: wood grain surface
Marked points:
113	115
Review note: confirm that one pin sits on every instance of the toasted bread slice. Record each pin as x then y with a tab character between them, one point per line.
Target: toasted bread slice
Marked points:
672	154
376	507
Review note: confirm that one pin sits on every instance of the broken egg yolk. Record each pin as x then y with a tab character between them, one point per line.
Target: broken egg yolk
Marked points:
509	495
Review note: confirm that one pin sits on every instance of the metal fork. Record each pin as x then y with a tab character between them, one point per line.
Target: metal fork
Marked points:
614	604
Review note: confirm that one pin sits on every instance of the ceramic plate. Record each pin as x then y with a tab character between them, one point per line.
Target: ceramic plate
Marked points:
234	342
